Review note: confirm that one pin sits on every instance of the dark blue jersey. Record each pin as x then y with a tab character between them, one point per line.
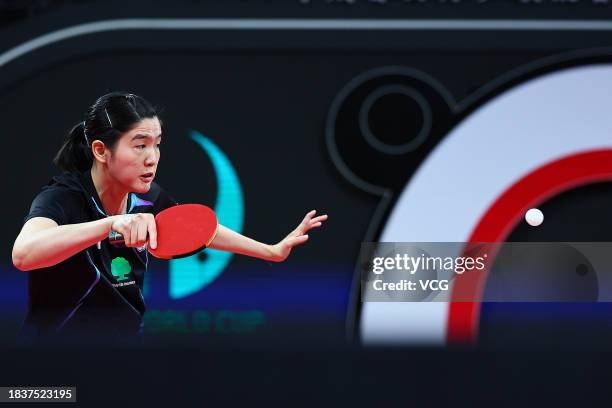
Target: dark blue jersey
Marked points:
97	291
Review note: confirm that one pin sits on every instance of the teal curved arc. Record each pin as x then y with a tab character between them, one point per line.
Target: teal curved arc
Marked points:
190	275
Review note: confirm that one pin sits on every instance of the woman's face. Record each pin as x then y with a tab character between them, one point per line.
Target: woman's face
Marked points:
133	162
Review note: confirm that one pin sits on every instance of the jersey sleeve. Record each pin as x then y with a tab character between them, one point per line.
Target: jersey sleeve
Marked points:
58	204
164	200
159	198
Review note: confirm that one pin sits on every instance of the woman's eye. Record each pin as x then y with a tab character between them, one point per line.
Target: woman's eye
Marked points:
141	147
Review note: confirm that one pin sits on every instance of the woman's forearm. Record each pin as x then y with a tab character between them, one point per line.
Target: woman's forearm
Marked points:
51	246
228	240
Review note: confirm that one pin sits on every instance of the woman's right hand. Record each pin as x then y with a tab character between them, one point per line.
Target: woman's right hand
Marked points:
136	228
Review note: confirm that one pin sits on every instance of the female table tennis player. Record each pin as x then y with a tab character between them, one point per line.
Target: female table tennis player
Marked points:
78	283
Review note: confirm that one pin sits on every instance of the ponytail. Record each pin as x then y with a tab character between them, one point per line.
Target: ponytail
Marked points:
75	153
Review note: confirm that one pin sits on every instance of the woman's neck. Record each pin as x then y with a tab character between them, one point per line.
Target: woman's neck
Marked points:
114	200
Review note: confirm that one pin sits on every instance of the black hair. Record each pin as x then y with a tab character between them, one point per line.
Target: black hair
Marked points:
106	120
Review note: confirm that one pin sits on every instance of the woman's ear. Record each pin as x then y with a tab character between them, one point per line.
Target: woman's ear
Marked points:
99	151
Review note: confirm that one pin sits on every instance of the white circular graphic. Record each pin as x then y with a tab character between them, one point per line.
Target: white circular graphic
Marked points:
558	114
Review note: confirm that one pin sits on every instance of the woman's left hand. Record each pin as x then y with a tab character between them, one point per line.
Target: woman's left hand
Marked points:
298	236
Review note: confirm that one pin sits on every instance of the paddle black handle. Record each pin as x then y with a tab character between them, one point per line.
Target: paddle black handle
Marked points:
116	239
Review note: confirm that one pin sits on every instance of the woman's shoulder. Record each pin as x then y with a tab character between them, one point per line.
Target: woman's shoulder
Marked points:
60	200
66	185
153	201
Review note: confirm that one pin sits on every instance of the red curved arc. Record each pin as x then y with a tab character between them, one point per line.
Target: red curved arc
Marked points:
502	216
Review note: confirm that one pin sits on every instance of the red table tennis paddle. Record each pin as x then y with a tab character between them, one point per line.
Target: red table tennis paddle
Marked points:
182	230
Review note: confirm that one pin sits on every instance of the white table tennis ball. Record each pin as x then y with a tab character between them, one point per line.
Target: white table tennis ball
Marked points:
534	217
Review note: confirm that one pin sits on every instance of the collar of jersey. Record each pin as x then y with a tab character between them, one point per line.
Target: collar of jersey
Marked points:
133	200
